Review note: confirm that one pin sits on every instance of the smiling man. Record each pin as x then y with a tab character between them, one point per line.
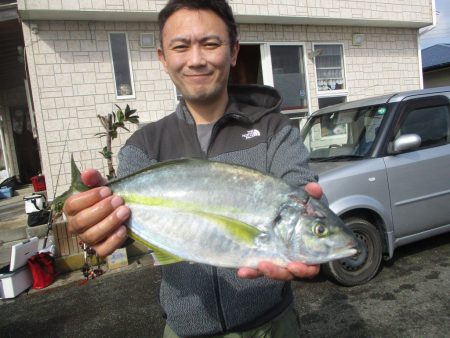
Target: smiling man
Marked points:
234	124
197	54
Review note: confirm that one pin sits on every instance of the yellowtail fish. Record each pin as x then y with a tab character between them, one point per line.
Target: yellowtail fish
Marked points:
227	215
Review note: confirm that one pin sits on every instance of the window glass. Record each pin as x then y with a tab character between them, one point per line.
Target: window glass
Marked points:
289	76
431	124
121	64
329	101
348	133
329	67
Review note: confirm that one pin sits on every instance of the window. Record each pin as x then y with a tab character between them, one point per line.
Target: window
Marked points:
432	124
121	61
279	65
329	67
289	76
347	133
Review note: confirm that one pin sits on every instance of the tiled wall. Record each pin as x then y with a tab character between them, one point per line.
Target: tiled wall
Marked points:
72	79
391	10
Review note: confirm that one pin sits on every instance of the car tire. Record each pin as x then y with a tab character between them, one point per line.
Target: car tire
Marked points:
362	267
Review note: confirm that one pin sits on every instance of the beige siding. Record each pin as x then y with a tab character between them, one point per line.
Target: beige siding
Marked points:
396	12
72	78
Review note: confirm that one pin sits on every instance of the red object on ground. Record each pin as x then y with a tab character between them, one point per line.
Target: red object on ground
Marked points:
42	269
38	183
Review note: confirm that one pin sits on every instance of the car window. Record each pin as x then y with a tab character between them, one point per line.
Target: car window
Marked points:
432	124
346	133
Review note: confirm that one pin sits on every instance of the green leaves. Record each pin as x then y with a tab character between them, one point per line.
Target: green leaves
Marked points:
111	123
106	153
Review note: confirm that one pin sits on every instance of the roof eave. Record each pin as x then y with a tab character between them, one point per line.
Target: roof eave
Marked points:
102	15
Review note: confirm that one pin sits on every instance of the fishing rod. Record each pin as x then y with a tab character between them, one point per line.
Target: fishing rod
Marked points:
50	215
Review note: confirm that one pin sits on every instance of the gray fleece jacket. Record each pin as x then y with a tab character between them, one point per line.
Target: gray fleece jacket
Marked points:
201	300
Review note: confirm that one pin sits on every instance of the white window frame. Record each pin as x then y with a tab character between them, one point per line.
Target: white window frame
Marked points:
122	97
332	92
266	65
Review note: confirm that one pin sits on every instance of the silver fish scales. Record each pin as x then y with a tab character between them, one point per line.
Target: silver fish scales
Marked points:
228	215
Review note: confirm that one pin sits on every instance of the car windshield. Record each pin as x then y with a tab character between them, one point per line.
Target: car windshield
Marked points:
343	135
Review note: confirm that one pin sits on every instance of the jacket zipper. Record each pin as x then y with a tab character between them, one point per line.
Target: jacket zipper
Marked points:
214	269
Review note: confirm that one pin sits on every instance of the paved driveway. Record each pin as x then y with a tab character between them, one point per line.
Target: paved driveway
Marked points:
409	298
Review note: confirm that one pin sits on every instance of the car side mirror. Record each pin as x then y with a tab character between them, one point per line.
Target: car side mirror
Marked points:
406	142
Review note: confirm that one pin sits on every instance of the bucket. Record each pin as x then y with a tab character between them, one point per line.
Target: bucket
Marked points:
38	183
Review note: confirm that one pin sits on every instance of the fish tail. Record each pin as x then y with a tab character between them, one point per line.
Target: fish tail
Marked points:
76	186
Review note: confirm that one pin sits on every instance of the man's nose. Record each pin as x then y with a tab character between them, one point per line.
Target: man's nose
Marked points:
197	57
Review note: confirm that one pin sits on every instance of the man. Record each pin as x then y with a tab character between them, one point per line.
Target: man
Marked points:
234	124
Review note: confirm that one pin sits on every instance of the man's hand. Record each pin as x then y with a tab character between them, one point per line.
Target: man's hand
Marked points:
96	215
294	269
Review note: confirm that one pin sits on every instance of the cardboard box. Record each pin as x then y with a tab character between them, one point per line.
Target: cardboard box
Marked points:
16	277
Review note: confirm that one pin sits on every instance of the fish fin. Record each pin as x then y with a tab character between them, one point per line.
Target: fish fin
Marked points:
243	231
76	186
160	256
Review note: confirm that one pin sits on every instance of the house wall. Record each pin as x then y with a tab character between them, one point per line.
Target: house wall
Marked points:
437	78
396	11
72	81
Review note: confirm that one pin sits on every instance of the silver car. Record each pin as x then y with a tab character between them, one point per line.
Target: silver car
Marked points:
384	165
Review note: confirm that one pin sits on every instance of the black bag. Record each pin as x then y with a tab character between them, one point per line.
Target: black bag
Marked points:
38	218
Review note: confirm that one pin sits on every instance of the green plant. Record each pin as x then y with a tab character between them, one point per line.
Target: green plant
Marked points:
112	122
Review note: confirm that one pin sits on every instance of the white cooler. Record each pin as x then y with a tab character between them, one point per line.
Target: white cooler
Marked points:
16	277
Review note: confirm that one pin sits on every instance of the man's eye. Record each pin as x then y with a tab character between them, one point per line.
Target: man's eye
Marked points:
212	45
179	47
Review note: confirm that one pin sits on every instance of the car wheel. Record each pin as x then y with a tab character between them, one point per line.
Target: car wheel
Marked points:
363	266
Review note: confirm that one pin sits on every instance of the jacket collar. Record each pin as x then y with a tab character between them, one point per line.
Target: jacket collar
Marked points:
246	102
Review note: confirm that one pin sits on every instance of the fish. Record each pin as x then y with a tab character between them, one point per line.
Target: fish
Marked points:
226	215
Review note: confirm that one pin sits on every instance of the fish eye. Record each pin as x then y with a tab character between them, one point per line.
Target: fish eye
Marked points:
320	230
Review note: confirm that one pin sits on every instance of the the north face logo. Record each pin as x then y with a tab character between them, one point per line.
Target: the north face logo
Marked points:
251	134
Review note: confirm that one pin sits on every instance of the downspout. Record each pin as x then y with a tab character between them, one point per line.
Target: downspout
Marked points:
419	49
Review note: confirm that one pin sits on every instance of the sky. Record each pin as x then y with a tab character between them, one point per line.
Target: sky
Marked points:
441	33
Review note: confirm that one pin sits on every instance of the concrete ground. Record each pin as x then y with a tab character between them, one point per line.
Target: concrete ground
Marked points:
14	229
408	298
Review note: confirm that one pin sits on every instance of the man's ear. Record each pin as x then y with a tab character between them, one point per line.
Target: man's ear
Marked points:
162	58
234	53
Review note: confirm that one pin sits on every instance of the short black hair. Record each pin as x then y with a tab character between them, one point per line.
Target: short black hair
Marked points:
219	7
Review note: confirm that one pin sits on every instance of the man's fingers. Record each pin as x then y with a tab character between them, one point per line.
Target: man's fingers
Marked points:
270	270
78	202
92	178
106	227
249	273
95	214
301	270
111	243
314	190
274	272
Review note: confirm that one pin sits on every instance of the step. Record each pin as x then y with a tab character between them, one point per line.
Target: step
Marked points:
16	233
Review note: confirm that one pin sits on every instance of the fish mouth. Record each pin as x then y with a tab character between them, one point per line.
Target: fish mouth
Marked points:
343	253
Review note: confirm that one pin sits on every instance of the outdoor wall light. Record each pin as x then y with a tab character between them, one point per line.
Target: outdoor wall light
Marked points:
358	39
147	40
34	28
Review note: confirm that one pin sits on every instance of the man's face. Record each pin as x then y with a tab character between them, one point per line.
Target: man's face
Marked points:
197	55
